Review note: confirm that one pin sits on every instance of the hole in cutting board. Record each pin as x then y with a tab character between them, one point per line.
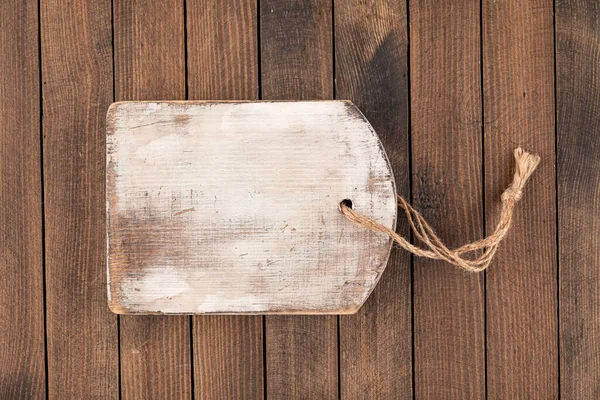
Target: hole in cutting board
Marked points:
348	203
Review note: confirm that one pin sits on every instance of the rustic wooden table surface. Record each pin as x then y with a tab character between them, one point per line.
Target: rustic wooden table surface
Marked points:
450	86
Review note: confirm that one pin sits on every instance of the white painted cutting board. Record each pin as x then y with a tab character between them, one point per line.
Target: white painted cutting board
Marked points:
233	207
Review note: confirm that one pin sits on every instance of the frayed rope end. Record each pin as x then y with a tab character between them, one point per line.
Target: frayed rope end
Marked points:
525	164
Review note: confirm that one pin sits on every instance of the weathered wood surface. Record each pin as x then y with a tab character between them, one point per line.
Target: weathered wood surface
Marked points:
22	358
578	123
236	50
149	63
371	70
296	54
234	207
222	61
446	138
521	286
77	88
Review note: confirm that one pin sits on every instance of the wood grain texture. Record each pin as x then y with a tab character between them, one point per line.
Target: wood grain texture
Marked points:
296	50
223	65
578	106
228	357
371	70
521	282
297	63
251	224
149	62
22	357
222	53
82	333
222	49
447	188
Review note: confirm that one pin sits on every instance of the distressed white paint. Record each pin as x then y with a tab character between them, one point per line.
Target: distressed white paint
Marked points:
233	207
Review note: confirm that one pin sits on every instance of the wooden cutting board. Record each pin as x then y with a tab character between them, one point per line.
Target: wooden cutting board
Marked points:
233	207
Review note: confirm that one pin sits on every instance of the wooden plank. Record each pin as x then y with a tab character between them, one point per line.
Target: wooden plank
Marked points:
223	65
296	50
228	357
371	70
297	63
521	282
447	188
82	333
22	361
252	222
222	49
578	106
149	62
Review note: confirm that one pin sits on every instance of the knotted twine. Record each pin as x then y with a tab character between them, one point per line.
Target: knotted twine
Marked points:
525	163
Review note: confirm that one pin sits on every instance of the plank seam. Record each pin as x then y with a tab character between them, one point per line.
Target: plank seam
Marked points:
259	94
114	89
556	204
410	196
43	206
338	318
484	227
186	94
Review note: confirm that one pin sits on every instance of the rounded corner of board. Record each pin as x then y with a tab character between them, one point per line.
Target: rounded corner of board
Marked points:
117	308
114	108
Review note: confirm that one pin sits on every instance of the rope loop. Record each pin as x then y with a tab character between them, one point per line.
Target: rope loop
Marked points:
525	164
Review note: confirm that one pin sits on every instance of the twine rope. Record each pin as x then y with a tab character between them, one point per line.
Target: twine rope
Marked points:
525	164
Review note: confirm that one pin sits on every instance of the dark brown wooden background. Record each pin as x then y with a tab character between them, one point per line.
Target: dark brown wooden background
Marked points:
451	87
